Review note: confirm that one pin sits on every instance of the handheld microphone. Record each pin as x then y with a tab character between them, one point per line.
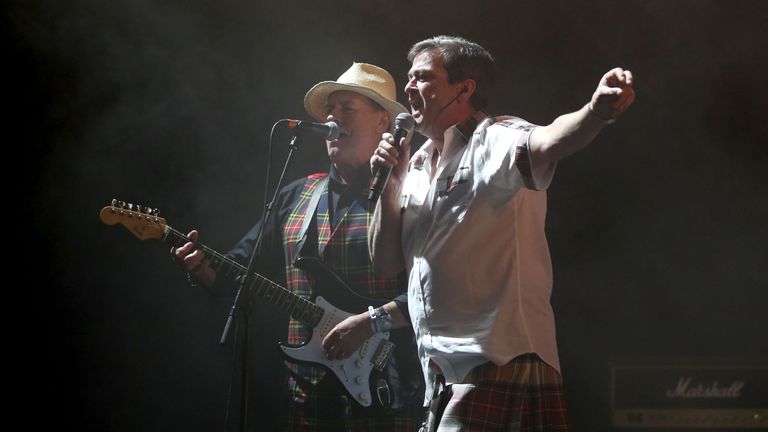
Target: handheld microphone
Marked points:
330	131
404	124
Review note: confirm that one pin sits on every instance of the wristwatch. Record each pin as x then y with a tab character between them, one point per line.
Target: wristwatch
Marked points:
381	320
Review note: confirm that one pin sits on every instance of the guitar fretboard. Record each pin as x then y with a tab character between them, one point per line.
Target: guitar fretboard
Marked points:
257	285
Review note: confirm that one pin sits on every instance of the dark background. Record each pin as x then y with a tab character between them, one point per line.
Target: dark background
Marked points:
657	230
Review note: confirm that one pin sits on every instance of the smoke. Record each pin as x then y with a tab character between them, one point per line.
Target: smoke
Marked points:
656	230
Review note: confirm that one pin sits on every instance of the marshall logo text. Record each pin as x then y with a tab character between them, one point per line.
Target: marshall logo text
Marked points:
685	390
691	394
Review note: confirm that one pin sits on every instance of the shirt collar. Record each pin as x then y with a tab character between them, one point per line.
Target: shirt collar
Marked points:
458	135
466	128
360	179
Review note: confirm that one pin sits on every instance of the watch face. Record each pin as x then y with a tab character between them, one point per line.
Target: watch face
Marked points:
378	312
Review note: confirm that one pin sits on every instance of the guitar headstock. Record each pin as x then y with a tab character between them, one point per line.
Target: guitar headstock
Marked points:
144	223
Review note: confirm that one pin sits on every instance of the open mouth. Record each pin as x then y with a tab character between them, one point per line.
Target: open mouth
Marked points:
416	104
342	136
342	130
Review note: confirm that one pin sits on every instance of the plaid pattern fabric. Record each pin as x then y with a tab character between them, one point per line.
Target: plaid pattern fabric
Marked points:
345	250
296	279
525	394
522	153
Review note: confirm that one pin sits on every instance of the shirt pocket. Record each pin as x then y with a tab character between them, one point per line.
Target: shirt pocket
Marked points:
452	206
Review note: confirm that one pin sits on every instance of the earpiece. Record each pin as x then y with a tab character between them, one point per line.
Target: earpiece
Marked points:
463	90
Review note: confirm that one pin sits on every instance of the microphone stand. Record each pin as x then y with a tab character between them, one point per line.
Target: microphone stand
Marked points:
298	136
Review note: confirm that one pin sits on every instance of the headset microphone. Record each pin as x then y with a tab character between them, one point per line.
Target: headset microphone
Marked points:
463	90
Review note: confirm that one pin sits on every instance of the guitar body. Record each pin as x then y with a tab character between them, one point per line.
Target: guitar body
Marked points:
399	383
354	372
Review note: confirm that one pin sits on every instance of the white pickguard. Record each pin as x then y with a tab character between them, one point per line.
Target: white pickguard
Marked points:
354	371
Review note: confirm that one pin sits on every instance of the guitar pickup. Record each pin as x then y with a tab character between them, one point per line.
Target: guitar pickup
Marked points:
382	354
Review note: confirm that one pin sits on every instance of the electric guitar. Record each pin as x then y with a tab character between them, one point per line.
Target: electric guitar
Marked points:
369	375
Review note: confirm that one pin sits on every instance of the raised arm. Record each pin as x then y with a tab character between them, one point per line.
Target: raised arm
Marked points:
572	132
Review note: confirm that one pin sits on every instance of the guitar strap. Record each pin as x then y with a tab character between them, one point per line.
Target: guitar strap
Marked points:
310	218
441	394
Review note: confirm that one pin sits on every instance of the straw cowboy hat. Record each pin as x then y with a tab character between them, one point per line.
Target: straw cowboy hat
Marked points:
363	78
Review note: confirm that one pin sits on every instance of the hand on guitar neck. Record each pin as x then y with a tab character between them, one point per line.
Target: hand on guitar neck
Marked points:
343	343
193	261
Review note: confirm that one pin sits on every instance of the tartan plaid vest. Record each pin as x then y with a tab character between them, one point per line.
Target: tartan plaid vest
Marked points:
345	250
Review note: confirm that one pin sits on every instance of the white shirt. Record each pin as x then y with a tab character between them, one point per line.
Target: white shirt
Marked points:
480	274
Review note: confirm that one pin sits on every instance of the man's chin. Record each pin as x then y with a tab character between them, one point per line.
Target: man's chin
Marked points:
418	123
335	145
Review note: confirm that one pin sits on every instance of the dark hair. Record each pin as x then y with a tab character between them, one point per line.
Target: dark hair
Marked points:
463	59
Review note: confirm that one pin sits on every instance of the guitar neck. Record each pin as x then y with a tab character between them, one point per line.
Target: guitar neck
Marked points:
259	286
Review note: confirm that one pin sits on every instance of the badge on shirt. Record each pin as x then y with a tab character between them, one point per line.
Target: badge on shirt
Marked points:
418	161
442	186
445	185
461	176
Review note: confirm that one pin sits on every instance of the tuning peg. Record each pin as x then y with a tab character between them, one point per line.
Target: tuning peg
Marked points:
114	201
121	204
155	211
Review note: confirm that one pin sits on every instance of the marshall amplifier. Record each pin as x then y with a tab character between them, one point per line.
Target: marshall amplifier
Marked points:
689	395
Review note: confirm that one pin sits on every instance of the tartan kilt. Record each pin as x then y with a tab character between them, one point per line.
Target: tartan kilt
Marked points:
525	394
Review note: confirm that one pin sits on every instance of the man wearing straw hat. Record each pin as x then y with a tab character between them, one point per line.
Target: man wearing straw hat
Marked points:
363	103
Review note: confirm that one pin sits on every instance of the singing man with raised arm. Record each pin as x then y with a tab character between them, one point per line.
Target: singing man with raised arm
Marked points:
465	218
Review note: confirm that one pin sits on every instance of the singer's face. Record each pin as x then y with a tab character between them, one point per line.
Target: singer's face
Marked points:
361	127
430	95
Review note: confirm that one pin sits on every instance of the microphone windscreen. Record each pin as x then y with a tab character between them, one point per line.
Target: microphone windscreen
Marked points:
405	122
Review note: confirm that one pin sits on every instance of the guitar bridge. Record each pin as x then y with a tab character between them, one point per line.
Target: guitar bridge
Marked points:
382	354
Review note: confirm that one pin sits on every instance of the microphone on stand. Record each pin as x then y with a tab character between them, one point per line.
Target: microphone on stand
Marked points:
404	125
330	131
